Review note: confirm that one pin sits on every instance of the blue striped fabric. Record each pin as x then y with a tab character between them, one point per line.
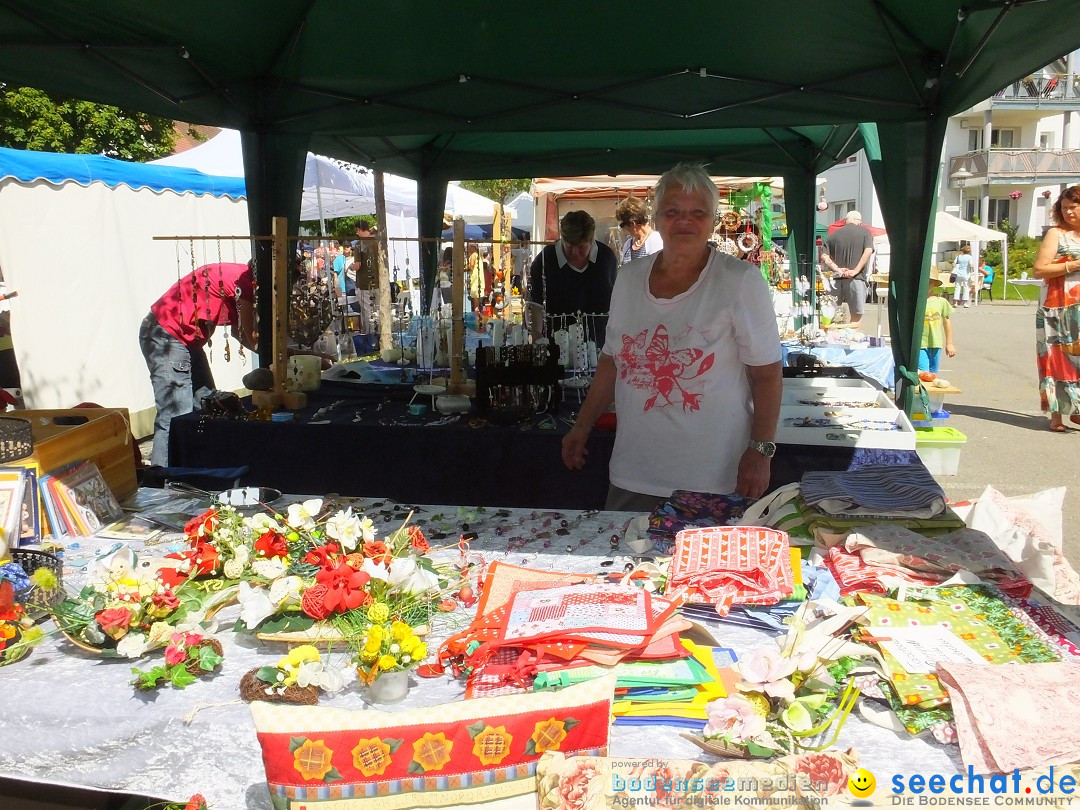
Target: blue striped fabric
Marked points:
907	490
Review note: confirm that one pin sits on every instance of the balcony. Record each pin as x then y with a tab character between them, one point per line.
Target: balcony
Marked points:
1048	92
1008	166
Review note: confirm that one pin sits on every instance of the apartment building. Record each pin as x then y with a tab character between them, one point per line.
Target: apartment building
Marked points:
1004	158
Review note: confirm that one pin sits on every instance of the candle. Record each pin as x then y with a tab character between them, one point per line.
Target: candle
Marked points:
590	353
562	340
498	334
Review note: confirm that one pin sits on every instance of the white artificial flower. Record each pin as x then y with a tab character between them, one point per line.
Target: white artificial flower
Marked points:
255	606
195	622
269	568
345	528
263	522
367	529
302	515
286	591
160	635
317	673
243	554
133	645
409	578
333	678
233	569
375	570
308	673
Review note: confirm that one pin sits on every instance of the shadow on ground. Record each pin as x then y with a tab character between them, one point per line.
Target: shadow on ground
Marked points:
1020	420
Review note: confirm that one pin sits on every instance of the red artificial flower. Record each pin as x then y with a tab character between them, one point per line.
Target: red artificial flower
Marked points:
175	654
204	524
116	618
344	587
205	559
196	802
323	556
312	602
417	540
272	544
10	610
377	552
166	599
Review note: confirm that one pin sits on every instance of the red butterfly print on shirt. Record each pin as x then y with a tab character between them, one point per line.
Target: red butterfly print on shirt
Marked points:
654	365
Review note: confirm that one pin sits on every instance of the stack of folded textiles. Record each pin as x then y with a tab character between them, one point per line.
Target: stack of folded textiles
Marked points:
687	510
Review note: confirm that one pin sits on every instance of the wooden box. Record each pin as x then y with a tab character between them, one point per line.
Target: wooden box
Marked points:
101	435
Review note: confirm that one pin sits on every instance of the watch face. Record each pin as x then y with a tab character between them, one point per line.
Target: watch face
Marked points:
767	449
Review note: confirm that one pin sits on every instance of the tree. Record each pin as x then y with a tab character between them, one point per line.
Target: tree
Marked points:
501	191
33	119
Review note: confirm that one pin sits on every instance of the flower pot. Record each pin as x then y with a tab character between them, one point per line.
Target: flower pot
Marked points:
389	687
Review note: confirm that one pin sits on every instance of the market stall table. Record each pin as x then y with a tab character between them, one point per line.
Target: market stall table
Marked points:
874	362
370	445
76	720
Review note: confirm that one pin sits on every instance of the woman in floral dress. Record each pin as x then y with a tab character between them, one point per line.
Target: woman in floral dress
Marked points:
1057	321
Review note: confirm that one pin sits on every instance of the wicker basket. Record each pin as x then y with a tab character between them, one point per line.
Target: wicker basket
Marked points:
31	560
252	689
16	438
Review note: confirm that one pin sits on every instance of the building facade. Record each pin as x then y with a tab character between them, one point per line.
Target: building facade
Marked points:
1006	158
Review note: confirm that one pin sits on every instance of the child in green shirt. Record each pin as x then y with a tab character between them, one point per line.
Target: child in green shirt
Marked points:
937	327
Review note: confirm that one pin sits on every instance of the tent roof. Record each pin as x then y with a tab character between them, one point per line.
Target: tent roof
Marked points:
949	228
58	169
594	186
440	99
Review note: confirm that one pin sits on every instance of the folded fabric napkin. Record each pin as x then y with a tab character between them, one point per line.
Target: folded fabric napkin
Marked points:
879	490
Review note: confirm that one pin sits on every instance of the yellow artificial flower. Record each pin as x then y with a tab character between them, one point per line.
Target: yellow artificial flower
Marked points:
369	657
408	644
387	662
377	631
302	654
398	630
378	612
312	760
419	652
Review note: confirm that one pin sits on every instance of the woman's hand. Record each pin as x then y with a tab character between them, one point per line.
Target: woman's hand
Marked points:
573	448
755	470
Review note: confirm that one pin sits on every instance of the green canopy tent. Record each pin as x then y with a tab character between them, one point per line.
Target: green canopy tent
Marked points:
429	92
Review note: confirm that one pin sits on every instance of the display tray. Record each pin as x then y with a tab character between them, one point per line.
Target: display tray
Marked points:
880	428
825	384
829	397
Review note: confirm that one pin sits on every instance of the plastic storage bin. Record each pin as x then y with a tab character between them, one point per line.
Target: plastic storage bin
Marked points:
939	449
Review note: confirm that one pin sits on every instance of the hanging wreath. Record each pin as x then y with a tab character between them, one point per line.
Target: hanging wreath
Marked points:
729	221
747	241
728	246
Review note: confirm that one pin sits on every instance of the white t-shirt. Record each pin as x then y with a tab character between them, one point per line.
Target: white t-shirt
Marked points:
681	393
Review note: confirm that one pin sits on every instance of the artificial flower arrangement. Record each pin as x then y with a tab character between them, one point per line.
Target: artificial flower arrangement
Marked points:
187	656
331	577
786	697
22	595
298	677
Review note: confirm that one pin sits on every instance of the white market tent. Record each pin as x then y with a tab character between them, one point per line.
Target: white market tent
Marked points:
77	243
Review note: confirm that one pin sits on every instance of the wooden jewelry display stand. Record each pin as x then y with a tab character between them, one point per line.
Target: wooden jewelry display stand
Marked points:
278	397
458	383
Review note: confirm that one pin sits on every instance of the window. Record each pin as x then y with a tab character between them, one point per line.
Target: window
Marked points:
1002	138
974	136
971	209
840	209
999	210
1046	140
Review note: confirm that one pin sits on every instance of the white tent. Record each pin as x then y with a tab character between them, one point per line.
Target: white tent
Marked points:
949	228
76	321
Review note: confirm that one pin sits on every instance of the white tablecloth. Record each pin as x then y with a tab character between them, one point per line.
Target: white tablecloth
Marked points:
74	719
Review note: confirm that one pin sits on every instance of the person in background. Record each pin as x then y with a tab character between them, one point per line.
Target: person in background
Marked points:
1057	321
478	276
961	271
847	254
986	280
692	362
339	261
641	240
575	274
179	324
937	327
446	267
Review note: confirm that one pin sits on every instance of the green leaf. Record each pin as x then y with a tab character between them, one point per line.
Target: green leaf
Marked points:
268	675
476	728
290	622
150	678
394	744
180	677
416	767
530	748
569	723
758	751
812	702
296	742
332	775
209	659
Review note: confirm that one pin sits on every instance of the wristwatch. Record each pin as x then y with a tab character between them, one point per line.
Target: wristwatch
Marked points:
767	449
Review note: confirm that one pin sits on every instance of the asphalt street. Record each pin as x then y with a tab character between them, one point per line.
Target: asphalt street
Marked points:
1008	444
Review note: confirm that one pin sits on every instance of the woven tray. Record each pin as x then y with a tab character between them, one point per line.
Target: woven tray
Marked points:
16	438
31	559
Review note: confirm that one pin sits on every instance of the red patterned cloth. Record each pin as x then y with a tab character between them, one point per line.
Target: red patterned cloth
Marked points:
729	565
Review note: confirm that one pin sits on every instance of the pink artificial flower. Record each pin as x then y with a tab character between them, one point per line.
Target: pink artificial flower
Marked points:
734	719
767	671
175	654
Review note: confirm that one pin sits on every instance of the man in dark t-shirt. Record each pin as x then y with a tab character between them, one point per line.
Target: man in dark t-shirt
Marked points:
573	275
847	254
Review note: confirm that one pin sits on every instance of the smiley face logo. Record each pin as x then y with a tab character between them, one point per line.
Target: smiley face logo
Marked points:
862	783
